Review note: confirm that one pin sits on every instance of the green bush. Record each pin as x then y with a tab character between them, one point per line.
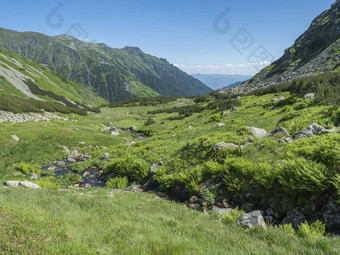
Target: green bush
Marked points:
231	217
323	149
149	121
246	176
47	184
286	228
207	195
79	167
133	168
315	230
27	168
117	183
304	177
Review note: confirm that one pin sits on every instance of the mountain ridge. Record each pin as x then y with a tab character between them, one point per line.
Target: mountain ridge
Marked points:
114	74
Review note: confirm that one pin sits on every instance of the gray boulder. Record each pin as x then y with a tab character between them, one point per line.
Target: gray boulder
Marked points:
295	217
114	133
279	130
309	96
13	184
223	145
258	132
29	185
251	220
331	217
314	129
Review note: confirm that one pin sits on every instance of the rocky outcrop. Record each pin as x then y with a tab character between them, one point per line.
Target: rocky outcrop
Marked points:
314	129
24	117
314	52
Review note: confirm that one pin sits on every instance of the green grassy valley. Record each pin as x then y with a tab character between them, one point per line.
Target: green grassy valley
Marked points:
255	173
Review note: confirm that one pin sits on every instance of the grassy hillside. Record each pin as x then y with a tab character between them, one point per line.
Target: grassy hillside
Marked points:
263	173
26	79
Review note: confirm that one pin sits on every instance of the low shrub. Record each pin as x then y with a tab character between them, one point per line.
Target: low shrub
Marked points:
315	230
117	183
135	169
231	217
304	177
27	168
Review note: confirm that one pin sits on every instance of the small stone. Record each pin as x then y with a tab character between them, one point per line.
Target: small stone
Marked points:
105	156
34	177
15	138
114	133
220	124
133	129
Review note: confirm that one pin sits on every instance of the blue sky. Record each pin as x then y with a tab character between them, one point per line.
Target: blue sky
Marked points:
182	31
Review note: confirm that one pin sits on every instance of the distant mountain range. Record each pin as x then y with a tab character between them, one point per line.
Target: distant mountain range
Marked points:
217	81
114	74
23	78
315	52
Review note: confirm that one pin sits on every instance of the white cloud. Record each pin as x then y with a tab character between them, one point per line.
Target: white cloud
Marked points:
244	68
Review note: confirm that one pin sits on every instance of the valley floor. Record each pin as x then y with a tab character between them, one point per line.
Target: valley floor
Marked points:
97	221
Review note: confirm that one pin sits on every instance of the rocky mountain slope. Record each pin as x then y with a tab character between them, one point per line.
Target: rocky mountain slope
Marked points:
23	78
315	52
114	74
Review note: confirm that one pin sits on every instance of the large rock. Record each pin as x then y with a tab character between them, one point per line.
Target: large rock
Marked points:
223	145
13	184
114	133
294	217
251	220
279	130
331	217
314	129
258	132
29	185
